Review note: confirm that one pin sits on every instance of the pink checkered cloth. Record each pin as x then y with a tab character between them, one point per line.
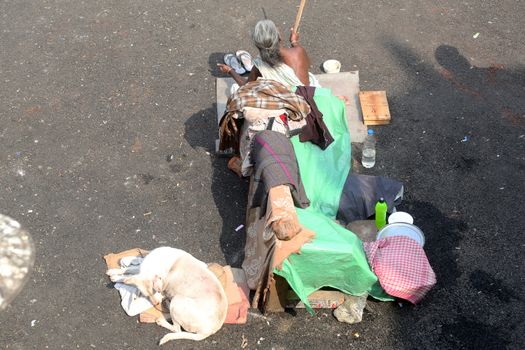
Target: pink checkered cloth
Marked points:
401	266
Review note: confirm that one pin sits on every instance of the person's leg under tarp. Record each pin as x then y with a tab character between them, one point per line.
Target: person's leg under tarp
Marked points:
272	226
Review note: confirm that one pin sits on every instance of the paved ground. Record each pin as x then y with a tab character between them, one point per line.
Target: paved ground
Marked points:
96	94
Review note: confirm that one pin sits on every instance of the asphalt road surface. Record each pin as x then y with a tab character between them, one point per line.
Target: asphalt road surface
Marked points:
95	95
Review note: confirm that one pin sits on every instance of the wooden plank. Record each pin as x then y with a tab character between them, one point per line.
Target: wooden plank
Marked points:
374	106
299	15
276	295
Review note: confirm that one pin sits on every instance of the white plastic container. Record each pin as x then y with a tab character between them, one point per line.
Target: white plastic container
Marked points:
402	229
332	66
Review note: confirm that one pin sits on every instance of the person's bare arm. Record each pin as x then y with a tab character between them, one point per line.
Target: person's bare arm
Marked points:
254	74
297	58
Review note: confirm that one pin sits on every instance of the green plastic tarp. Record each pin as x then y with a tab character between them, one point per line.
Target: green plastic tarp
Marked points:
335	258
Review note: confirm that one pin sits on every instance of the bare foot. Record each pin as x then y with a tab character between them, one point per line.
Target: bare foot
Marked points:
284	220
345	99
286	229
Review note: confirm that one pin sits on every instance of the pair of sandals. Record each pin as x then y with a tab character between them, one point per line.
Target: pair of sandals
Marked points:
241	62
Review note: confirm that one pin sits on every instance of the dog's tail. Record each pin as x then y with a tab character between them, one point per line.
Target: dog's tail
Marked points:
182	335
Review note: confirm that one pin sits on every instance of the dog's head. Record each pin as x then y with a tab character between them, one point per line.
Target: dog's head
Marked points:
151	288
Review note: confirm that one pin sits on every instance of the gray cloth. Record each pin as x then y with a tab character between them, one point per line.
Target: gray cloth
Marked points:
275	164
361	193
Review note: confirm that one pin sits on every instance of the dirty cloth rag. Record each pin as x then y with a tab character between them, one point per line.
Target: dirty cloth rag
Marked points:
131	300
401	266
315	130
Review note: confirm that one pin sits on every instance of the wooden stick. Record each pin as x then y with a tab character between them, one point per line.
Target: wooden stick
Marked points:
299	15
264	13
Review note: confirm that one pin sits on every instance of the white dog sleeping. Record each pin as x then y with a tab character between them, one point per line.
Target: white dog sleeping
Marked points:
198	303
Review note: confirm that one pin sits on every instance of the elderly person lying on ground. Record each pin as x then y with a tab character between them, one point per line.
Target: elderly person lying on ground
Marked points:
300	183
288	66
298	188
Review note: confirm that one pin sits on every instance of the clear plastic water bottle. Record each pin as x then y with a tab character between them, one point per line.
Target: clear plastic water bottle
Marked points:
368	158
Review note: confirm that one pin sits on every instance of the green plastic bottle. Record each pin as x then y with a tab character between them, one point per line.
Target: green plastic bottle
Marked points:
381	208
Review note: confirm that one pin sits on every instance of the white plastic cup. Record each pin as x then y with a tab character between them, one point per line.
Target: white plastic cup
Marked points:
332	66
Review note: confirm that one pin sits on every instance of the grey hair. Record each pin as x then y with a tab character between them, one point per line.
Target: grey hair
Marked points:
267	39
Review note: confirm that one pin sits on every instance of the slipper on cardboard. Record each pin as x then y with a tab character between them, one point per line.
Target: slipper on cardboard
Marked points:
233	62
245	58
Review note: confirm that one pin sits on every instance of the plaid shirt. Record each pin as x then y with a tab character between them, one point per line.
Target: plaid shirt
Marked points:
268	94
261	93
401	266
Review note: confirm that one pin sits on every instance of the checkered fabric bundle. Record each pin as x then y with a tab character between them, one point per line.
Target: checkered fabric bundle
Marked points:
265	94
268	94
401	266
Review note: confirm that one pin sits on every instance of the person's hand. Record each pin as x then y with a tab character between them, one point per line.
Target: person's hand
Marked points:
224	68
294	37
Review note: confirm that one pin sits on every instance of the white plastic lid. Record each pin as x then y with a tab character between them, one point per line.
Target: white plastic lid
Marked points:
400	216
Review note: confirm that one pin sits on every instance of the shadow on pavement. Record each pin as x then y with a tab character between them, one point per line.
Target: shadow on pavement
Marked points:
469	118
213	59
229	192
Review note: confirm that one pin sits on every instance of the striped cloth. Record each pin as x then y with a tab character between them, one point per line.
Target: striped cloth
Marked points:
401	266
274	164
